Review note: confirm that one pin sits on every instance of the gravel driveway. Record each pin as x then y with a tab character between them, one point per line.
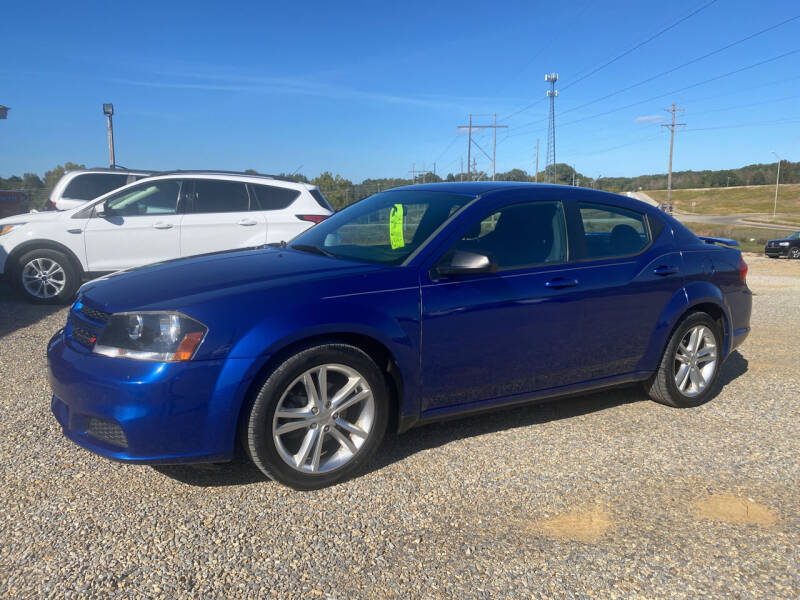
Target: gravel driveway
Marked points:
608	495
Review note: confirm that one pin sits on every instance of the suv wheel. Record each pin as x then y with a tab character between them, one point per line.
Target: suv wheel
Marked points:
690	366
794	252
47	276
318	417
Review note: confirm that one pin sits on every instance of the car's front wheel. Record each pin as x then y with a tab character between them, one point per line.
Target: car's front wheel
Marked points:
318	417
794	252
690	365
47	276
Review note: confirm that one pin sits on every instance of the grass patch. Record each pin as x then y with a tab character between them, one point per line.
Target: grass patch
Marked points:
734	200
751	239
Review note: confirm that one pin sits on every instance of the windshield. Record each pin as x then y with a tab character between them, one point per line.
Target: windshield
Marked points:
794	236
385	228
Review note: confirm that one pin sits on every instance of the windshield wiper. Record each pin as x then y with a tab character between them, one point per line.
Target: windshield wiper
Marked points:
313	249
281	245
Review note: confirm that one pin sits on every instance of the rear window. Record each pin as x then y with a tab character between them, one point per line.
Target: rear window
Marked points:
89	186
219	196
611	231
270	197
321	200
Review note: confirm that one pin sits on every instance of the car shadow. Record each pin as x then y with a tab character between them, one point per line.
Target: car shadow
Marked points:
17	313
399	447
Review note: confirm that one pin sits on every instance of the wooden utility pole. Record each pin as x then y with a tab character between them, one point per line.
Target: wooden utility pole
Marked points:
671	126
470	127
536	173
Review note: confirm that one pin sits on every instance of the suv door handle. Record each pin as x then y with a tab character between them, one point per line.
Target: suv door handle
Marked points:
561	282
162	225
248	222
665	270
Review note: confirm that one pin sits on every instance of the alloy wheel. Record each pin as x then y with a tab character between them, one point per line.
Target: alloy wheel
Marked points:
695	361
43	278
795	253
323	418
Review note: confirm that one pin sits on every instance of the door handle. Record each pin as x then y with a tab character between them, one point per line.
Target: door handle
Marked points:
161	225
665	270
561	282
248	222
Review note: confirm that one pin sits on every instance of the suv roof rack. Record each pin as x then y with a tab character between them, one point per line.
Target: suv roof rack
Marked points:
219	172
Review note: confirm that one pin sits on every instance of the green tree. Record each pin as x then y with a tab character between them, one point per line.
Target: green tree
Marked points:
51	177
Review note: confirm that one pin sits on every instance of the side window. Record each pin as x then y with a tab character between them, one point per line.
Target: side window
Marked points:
93	185
520	235
270	197
611	231
219	196
155	198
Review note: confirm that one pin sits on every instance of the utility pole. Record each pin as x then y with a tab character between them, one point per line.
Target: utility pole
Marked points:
470	127
414	172
108	111
777	181
671	126
536	173
461	172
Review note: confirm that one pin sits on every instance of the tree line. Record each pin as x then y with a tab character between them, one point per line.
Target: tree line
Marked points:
342	192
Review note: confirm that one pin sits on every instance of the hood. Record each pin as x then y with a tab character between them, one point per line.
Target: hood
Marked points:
175	284
35	217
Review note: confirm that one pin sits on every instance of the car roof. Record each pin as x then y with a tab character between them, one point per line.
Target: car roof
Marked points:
117	170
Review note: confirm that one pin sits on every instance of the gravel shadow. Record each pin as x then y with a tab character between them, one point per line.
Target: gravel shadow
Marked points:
16	313
399	447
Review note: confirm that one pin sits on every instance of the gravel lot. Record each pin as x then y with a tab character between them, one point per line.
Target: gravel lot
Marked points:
608	495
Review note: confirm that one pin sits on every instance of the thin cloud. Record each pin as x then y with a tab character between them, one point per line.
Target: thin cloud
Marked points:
649	119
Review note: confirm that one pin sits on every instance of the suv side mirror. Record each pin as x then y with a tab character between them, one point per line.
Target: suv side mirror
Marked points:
101	210
462	262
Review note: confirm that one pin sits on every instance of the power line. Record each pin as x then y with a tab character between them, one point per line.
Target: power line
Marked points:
640	44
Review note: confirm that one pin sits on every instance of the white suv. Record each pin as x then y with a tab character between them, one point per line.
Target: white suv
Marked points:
76	188
183	213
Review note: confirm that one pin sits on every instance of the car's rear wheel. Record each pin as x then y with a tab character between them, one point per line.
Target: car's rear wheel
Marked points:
47	276
690	366
318	417
794	252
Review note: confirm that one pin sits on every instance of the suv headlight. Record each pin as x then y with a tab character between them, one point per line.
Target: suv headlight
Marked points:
783	243
4	229
162	337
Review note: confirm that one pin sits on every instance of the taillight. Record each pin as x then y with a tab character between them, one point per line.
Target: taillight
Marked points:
50	205
742	270
312	218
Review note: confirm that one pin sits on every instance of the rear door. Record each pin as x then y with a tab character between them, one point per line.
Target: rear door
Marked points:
218	217
138	226
628	271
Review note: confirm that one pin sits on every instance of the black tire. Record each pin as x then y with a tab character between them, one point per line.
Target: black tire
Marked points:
69	283
795	252
769	256
662	388
257	427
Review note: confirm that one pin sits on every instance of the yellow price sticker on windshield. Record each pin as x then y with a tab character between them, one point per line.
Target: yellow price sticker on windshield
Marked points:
396	227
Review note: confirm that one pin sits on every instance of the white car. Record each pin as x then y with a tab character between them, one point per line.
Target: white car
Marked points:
48	254
77	187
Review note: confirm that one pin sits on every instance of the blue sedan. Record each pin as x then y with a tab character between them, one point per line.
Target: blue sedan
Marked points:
416	304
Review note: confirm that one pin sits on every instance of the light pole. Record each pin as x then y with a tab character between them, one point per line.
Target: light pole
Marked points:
108	111
777	181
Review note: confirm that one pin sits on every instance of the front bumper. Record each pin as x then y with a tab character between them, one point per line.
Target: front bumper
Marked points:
147	412
776	251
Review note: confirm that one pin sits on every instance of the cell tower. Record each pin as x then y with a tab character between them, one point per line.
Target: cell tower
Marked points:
550	169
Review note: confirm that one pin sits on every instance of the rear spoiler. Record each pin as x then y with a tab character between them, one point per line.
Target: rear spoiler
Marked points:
721	241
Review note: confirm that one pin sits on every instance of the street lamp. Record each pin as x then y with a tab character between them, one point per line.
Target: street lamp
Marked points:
4	111
108	111
777	181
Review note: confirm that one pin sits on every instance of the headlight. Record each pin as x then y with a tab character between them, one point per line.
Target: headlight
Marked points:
783	243
4	229
150	336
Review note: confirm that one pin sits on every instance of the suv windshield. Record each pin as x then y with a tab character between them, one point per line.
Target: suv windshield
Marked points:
385	228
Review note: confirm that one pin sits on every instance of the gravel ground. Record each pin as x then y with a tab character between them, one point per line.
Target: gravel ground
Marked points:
608	495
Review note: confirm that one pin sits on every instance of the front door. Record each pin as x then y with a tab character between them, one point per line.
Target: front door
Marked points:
138	226
500	334
218	217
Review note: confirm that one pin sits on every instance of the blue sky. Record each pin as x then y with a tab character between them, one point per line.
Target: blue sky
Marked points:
366	89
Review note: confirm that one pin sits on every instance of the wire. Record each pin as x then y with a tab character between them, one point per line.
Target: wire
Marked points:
639	45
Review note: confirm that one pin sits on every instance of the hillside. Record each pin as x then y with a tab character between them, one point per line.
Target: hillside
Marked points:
734	200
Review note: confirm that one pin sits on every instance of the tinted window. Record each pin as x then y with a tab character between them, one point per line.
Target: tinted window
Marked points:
268	197
156	198
385	228
219	196
92	185
520	235
612	231
321	200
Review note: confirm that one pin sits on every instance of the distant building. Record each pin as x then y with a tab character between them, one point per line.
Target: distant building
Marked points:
4	111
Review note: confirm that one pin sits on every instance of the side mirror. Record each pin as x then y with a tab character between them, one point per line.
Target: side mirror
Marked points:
101	210
462	262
